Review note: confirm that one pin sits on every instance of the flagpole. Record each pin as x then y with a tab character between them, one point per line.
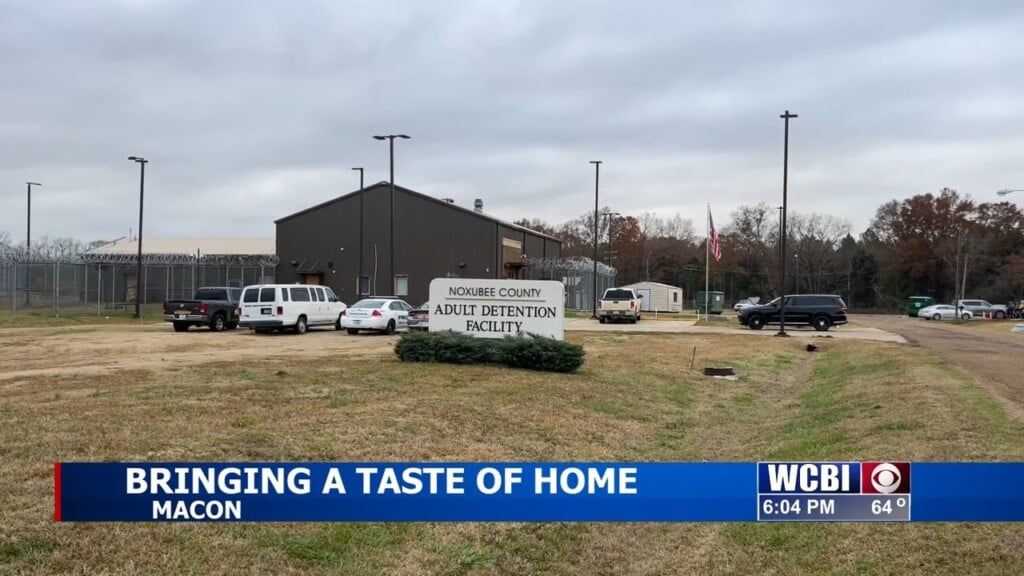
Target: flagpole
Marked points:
707	261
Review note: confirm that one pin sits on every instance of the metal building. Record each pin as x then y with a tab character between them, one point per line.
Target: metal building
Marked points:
658	297
345	243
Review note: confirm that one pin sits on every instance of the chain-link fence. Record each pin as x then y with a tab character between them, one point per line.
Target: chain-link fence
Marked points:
88	285
577	274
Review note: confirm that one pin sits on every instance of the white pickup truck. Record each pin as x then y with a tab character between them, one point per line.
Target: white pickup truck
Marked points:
619	304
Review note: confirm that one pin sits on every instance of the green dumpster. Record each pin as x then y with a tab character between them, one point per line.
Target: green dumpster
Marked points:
917	302
715	302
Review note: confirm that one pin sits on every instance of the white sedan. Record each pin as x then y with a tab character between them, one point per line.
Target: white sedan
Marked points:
943	312
746	302
386	315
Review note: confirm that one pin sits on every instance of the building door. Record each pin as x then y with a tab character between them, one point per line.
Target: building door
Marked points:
313	278
646	305
511	258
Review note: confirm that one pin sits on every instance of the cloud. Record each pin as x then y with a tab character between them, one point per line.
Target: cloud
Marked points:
253	110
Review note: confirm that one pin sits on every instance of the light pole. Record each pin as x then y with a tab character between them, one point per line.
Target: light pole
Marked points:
28	245
138	265
782	238
796	273
780	251
597	180
391	159
359	276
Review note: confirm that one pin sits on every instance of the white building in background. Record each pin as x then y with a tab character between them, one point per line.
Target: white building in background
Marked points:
658	297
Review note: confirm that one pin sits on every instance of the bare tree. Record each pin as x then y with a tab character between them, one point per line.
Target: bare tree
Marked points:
816	241
754	234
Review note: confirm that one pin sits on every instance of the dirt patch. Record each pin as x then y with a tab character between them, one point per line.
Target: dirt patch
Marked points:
729	325
27	353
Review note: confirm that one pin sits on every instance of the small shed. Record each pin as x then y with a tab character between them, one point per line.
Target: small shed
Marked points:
658	297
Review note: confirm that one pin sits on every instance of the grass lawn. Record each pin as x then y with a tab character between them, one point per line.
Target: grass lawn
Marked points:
985	325
851	400
77	315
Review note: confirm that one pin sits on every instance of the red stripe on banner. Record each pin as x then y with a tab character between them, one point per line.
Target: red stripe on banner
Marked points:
56	491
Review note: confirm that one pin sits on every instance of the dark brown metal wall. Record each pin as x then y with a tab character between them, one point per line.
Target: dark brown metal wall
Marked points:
435	240
432	240
318	239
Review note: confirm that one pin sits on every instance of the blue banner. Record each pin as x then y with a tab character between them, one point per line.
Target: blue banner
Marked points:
514	492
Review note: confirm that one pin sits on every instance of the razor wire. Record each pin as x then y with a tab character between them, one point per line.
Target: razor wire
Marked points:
577	276
11	255
73	282
172	259
579	264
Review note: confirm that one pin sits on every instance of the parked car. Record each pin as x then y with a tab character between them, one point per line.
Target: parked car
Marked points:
419	317
297	307
819	310
619	304
215	307
386	315
746	302
983	308
943	312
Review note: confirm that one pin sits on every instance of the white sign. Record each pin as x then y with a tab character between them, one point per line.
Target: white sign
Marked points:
497	308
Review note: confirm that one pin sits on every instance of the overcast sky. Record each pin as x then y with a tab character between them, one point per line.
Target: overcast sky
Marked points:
249	111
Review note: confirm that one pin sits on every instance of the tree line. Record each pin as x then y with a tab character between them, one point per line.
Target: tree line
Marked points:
943	245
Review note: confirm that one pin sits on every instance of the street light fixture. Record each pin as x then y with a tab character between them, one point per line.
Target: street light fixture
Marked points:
782	238
138	265
1006	191
359	276
391	159
597	179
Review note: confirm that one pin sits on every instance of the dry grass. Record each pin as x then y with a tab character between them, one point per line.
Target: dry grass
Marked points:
984	325
76	315
852	400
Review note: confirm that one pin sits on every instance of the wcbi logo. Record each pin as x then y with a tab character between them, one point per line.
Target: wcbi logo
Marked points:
833	477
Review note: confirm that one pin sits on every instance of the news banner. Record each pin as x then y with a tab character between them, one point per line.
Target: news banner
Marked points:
539	492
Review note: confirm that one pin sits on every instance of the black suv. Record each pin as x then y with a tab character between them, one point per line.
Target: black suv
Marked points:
819	310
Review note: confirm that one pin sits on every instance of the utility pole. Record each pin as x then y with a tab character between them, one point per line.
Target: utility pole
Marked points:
597	179
391	160
28	249
782	238
138	269
359	276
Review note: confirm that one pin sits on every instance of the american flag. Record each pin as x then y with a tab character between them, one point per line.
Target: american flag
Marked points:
716	250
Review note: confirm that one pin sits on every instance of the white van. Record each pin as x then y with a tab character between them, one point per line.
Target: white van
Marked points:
268	307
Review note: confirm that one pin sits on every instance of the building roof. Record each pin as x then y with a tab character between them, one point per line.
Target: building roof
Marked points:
649	283
190	246
384	184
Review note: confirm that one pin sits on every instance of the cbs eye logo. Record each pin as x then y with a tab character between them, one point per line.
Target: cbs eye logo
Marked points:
885	477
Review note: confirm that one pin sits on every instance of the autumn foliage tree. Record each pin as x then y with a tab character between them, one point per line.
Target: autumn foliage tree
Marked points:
939	245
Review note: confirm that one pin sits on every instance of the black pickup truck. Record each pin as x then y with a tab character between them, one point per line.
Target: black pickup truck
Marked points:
214	307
